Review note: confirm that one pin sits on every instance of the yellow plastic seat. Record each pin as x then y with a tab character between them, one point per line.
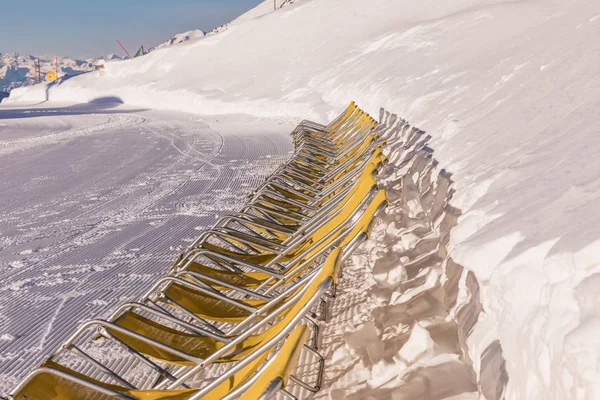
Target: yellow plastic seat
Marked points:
202	346
214	309
250	279
210	307
279	367
265	257
344	209
192	344
48	386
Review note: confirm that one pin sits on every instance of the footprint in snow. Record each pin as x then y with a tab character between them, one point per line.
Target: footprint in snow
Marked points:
17	264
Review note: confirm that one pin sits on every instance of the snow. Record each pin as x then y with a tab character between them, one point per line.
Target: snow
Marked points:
509	92
404	338
182	37
97	202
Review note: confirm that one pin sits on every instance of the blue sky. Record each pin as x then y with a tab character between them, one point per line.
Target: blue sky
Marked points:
84	28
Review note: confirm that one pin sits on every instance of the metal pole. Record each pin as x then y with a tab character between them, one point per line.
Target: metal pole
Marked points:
123	47
39	71
274	5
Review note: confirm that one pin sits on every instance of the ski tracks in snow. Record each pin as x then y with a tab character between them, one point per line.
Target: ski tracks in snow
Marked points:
112	123
91	216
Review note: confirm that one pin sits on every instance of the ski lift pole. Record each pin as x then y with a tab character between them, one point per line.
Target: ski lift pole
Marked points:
126	52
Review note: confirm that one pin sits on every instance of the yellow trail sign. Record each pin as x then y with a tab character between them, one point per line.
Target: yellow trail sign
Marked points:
51	76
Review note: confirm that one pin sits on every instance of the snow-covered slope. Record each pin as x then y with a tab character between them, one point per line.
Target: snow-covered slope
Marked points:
181	37
263	8
509	92
266	7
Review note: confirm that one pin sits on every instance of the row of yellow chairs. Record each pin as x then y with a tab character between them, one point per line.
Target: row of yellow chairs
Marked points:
233	314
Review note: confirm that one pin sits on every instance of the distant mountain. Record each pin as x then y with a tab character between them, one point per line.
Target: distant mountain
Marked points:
20	69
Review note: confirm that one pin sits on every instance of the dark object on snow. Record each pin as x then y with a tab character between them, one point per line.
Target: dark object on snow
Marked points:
140	52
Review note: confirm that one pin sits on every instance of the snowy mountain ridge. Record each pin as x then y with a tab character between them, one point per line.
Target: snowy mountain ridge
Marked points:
18	70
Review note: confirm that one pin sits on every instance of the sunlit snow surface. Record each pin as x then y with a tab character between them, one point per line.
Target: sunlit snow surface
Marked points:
97	200
509	90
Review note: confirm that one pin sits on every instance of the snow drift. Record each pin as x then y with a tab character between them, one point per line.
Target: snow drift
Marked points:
509	92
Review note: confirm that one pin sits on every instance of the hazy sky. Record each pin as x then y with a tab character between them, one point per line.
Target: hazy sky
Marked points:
85	28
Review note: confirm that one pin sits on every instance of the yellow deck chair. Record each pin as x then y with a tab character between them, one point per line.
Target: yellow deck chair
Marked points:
356	126
365	179
376	158
349	174
314	163
335	128
305	251
368	166
255	279
352	107
306	162
310	171
49	386
264	256
214	309
278	369
361	124
203	346
326	151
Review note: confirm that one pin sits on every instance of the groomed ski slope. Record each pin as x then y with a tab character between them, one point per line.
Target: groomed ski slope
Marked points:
509	92
98	200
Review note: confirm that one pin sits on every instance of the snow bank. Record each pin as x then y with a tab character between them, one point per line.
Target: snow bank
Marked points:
406	339
509	92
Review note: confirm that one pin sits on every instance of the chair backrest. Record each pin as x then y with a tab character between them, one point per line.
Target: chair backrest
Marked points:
279	367
366	174
358	227
340	120
350	205
366	219
187	342
329	270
